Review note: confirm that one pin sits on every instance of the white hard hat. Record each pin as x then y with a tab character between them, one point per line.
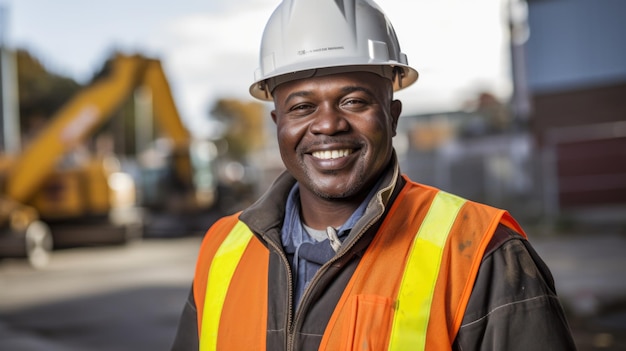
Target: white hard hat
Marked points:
305	38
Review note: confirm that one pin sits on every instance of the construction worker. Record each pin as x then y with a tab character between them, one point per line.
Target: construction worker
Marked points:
343	252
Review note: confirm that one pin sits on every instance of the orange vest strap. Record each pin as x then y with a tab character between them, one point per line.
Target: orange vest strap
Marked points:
410	283
420	274
211	243
221	272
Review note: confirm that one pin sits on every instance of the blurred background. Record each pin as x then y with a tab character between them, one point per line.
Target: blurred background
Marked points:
127	129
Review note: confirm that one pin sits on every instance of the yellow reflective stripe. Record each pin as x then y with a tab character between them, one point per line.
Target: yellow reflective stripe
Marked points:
418	281
220	274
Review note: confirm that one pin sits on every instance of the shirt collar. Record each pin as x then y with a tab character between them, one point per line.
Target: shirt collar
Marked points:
293	233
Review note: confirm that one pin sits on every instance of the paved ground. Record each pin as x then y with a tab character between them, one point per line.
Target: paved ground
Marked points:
106	298
130	297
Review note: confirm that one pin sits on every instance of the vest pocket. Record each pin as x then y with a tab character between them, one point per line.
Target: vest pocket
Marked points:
368	323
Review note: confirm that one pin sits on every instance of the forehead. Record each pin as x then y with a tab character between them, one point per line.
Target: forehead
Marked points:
366	80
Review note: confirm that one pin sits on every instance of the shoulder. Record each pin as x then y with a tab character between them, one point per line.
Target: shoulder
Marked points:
212	241
513	293
511	257
511	270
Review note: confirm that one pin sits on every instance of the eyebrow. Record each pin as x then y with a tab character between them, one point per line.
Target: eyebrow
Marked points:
351	89
296	94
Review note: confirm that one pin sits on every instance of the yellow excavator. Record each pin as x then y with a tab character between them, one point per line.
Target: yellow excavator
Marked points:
70	177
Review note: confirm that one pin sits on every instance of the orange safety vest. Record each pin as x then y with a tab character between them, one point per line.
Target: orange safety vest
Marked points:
409	290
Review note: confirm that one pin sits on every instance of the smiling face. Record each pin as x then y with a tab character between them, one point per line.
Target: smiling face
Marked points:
335	132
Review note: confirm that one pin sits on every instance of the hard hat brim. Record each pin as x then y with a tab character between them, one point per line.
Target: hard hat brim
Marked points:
263	89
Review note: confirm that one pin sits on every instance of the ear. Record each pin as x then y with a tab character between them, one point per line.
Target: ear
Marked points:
395	110
273	113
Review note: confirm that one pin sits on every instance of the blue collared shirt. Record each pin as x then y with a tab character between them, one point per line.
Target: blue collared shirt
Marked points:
306	254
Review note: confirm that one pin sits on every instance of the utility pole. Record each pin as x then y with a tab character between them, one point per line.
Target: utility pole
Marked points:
519	33
9	110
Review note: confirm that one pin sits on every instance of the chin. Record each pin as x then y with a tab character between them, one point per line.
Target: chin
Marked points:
338	193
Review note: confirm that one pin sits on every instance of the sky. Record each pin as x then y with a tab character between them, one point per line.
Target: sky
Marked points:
209	48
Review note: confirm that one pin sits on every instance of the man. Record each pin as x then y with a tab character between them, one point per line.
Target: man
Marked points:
343	252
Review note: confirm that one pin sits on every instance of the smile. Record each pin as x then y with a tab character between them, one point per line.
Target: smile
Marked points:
331	154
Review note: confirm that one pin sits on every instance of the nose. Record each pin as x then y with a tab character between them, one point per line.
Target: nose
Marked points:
329	120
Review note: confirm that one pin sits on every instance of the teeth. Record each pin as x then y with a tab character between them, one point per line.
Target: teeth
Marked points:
329	155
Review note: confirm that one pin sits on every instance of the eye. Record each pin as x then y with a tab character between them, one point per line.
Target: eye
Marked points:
301	109
353	103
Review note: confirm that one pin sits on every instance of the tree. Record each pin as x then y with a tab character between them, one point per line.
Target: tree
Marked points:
41	93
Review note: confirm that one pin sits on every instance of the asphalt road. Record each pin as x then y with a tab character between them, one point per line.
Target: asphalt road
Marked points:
106	298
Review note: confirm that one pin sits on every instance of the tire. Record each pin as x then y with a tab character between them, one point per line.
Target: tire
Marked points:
39	244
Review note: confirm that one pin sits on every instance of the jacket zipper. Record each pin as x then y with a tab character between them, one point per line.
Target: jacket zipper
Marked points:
292	322
343	251
305	296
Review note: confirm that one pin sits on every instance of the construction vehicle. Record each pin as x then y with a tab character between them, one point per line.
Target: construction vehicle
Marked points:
69	178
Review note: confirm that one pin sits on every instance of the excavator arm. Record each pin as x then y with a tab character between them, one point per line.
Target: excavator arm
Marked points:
168	118
83	114
33	169
71	125
166	112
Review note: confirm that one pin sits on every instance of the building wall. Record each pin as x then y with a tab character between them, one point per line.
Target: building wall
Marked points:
576	57
575	43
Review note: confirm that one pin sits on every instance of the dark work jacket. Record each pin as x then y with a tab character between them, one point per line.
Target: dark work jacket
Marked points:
513	305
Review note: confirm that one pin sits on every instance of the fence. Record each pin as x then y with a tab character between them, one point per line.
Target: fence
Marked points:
579	172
